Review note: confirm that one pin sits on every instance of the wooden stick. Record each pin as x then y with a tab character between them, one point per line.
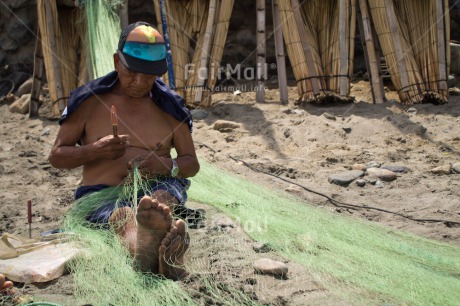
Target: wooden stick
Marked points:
124	15
205	50
54	55
260	91
402	69
29	216
34	102
371	60
305	46
343	48
441	45
280	57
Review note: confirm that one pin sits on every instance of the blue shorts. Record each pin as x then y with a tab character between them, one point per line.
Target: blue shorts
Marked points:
177	187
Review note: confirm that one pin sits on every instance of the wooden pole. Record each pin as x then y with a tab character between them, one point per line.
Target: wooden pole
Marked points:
305	46
372	62
441	45
261	50
54	56
280	57
205	51
343	47
34	102
393	24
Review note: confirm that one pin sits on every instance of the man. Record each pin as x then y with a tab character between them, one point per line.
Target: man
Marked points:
151	120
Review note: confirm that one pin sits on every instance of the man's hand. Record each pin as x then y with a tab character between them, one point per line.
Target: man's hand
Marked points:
110	147
150	165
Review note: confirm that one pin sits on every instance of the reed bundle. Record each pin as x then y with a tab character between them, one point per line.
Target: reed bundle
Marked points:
62	35
414	37
319	37
196	75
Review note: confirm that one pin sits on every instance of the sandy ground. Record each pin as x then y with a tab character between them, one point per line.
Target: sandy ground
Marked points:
300	143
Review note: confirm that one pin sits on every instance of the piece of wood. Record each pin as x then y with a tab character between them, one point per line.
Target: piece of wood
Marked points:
306	48
261	50
343	48
280	57
37	78
372	62
205	51
124	15
442	56
393	24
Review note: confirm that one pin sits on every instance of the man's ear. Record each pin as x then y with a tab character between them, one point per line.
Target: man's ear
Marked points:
116	61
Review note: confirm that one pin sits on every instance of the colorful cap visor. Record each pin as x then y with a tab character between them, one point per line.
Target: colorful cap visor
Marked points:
144	58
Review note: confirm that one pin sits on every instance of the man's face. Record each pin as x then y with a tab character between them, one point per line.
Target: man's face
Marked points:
133	84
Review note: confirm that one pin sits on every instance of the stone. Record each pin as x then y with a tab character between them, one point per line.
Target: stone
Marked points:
21	105
224	124
19	31
260	247
15	4
444	169
372	181
347	129
7	44
25	88
455	91
224	222
345	178
456	167
382	174
329	116
373	164
379	184
451	81
46	131
199	114
412	110
287	133
360	167
395	168
268	266
361	183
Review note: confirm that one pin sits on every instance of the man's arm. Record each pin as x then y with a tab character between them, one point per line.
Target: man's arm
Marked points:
66	154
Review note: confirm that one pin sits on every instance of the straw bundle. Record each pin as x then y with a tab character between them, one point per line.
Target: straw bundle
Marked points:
188	21
60	43
414	37
319	37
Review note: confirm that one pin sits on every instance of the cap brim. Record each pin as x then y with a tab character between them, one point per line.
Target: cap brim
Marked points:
139	65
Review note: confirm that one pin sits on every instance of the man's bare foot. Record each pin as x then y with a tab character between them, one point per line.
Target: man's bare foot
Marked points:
154	220
172	251
5	285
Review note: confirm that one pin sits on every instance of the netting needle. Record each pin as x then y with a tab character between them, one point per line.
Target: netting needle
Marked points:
114	121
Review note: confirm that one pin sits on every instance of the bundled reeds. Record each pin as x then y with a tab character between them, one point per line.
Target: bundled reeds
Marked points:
60	45
206	23
319	36
414	37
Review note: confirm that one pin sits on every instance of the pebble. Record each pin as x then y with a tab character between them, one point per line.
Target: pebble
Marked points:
373	164
347	129
46	131
456	167
260	247
360	167
372	181
199	114
345	178
361	183
224	124
444	169
395	168
329	116
383	174
268	266
379	184
224	222
412	110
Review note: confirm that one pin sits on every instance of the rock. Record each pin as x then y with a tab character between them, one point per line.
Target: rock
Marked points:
15	4
199	114
237	92
45	132
372	181
345	178
10	98
455	91
373	164
224	124
456	167
224	222
329	116
451	81
383	174
395	168
287	133
268	266
360	167
25	88
299	112
379	184
444	169
260	247
21	105
412	110
347	129
19	31
361	183
8	44
293	190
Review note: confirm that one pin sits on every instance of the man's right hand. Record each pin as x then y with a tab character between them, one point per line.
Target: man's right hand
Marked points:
110	147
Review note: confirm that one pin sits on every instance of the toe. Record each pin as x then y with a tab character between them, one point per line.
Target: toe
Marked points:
145	203
181	226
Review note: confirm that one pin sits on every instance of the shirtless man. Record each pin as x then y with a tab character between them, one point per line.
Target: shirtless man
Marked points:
147	130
